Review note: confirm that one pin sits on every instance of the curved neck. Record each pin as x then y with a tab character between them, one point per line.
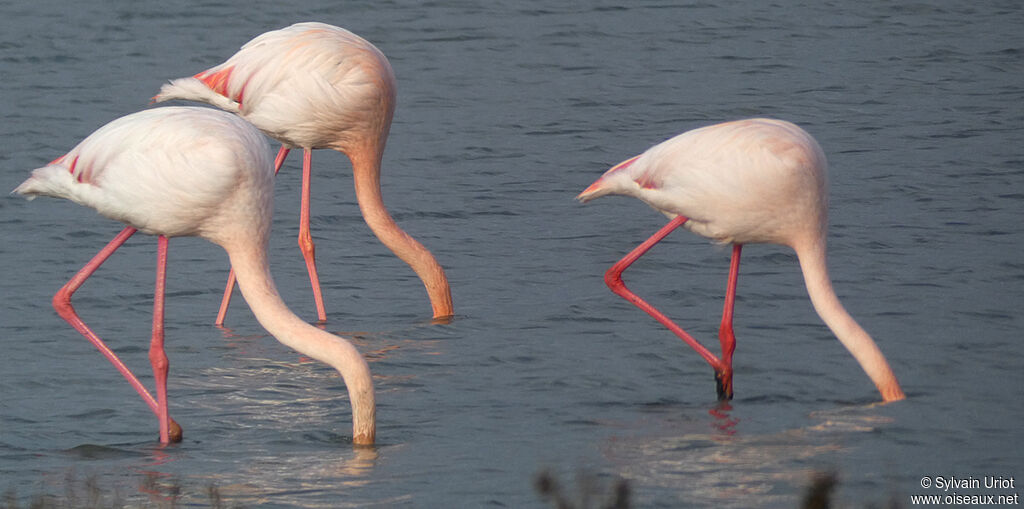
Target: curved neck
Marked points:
819	287
257	286
366	175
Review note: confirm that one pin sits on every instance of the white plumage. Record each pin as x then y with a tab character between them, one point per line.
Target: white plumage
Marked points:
151	170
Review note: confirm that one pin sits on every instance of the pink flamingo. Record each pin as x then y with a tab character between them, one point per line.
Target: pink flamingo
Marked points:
749	181
313	85
180	171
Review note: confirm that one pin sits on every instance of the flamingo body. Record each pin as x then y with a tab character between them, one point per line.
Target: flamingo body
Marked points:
313	85
143	170
754	181
309	85
181	171
748	181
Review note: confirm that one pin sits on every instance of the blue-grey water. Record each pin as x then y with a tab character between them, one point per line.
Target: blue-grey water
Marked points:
505	112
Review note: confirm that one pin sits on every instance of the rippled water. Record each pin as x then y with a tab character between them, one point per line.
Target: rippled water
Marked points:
504	114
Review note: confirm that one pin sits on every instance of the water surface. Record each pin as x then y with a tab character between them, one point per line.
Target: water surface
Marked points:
504	114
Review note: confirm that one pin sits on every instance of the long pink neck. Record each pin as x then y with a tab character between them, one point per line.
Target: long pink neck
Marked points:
257	286
819	286
366	174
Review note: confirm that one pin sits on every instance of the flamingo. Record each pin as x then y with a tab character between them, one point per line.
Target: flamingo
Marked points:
190	171
313	85
747	181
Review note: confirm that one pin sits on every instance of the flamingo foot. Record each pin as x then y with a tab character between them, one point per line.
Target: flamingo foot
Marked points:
723	382
174	431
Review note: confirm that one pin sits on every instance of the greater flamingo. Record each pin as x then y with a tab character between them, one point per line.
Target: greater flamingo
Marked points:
748	181
313	85
189	171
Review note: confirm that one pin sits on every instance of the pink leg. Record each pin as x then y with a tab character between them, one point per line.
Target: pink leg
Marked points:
157	355
613	277
62	304
306	238
229	288
725	333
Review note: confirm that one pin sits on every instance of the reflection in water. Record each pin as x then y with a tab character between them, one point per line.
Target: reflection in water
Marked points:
723	421
376	347
303	475
729	468
295	479
300	480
